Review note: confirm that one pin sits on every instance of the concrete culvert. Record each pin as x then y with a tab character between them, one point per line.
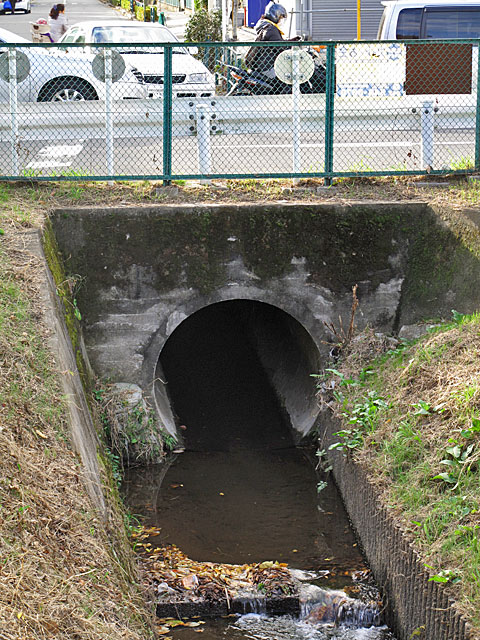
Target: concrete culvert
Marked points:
238	375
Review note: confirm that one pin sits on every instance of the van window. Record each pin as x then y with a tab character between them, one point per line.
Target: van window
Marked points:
461	22
408	24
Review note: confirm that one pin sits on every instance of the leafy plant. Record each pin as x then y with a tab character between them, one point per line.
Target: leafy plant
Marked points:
457	461
363	417
443	576
472	429
423	408
349	439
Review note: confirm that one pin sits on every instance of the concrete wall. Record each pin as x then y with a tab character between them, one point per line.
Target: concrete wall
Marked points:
146	270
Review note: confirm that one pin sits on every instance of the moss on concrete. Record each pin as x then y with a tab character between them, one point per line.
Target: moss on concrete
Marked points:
65	289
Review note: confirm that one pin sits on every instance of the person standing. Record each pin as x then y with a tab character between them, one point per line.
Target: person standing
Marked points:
57	22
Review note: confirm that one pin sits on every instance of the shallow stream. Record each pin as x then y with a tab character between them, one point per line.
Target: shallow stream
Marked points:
239	507
241	492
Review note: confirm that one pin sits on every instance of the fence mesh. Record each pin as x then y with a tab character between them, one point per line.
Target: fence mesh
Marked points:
178	111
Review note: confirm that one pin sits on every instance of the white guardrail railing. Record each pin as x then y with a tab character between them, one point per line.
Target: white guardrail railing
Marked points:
232	115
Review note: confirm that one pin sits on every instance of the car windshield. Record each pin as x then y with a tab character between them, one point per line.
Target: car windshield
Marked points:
131	35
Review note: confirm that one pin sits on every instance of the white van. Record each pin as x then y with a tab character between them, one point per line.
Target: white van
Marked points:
423	19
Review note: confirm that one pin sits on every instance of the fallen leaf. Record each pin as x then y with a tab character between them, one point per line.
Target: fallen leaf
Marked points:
171	622
162	630
41	434
190	581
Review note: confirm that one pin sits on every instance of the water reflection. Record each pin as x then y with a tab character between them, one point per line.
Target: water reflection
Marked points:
241	507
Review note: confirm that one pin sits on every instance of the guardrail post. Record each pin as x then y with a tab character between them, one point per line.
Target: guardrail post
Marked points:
428	130
477	113
296	130
12	68
167	115
329	112
204	144
108	112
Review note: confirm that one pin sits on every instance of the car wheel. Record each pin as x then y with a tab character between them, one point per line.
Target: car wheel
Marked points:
67	90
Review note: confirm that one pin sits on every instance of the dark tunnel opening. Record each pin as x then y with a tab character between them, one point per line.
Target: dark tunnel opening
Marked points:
238	375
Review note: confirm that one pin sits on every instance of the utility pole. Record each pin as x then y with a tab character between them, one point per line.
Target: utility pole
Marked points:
234	19
224	20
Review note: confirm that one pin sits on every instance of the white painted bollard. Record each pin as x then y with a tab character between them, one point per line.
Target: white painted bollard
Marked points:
428	132
204	143
12	67
108	113
296	124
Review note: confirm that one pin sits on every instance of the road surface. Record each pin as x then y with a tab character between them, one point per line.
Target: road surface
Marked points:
77	11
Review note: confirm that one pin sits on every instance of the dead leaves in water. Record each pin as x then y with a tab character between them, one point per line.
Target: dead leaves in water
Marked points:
176	577
165	625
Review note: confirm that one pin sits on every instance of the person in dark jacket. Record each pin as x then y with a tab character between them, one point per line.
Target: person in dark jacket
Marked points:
268	29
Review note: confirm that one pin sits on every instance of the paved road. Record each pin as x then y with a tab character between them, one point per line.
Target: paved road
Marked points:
78	10
236	154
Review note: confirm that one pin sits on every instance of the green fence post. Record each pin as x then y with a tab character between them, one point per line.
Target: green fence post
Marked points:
167	115
477	115
329	111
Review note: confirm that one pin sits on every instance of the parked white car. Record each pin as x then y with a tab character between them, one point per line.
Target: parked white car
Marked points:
21	5
56	77
191	78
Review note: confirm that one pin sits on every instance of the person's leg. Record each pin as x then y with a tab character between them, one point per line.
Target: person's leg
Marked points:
13	2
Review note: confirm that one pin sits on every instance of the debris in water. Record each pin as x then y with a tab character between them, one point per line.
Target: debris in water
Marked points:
175	577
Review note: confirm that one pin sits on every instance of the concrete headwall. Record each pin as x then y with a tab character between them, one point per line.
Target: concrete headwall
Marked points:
143	271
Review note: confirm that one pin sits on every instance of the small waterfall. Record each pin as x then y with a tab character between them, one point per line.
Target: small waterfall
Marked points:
355	614
335	607
250	603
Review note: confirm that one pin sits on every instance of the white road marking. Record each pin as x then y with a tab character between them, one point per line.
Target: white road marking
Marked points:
56	156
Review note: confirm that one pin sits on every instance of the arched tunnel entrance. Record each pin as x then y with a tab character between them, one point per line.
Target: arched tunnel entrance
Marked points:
238	375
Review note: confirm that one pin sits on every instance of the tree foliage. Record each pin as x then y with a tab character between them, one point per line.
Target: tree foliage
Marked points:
204	26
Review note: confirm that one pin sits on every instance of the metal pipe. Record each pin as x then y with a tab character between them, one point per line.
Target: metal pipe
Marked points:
108	112
167	114
204	146
428	131
13	95
296	122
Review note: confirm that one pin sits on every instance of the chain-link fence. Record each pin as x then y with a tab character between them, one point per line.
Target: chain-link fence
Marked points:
238	110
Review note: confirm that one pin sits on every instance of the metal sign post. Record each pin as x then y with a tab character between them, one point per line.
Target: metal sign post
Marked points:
12	65
108	67
14	68
295	67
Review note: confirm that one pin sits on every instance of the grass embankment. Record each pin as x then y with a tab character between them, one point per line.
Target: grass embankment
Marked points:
64	573
412	417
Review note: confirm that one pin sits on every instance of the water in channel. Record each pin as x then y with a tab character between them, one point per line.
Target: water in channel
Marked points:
242	493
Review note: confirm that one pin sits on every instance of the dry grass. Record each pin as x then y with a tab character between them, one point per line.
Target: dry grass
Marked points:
26	203
64	573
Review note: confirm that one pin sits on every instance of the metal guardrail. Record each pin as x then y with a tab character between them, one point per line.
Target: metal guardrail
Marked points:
369	109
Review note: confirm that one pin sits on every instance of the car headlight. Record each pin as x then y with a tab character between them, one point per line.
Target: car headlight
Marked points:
198	77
